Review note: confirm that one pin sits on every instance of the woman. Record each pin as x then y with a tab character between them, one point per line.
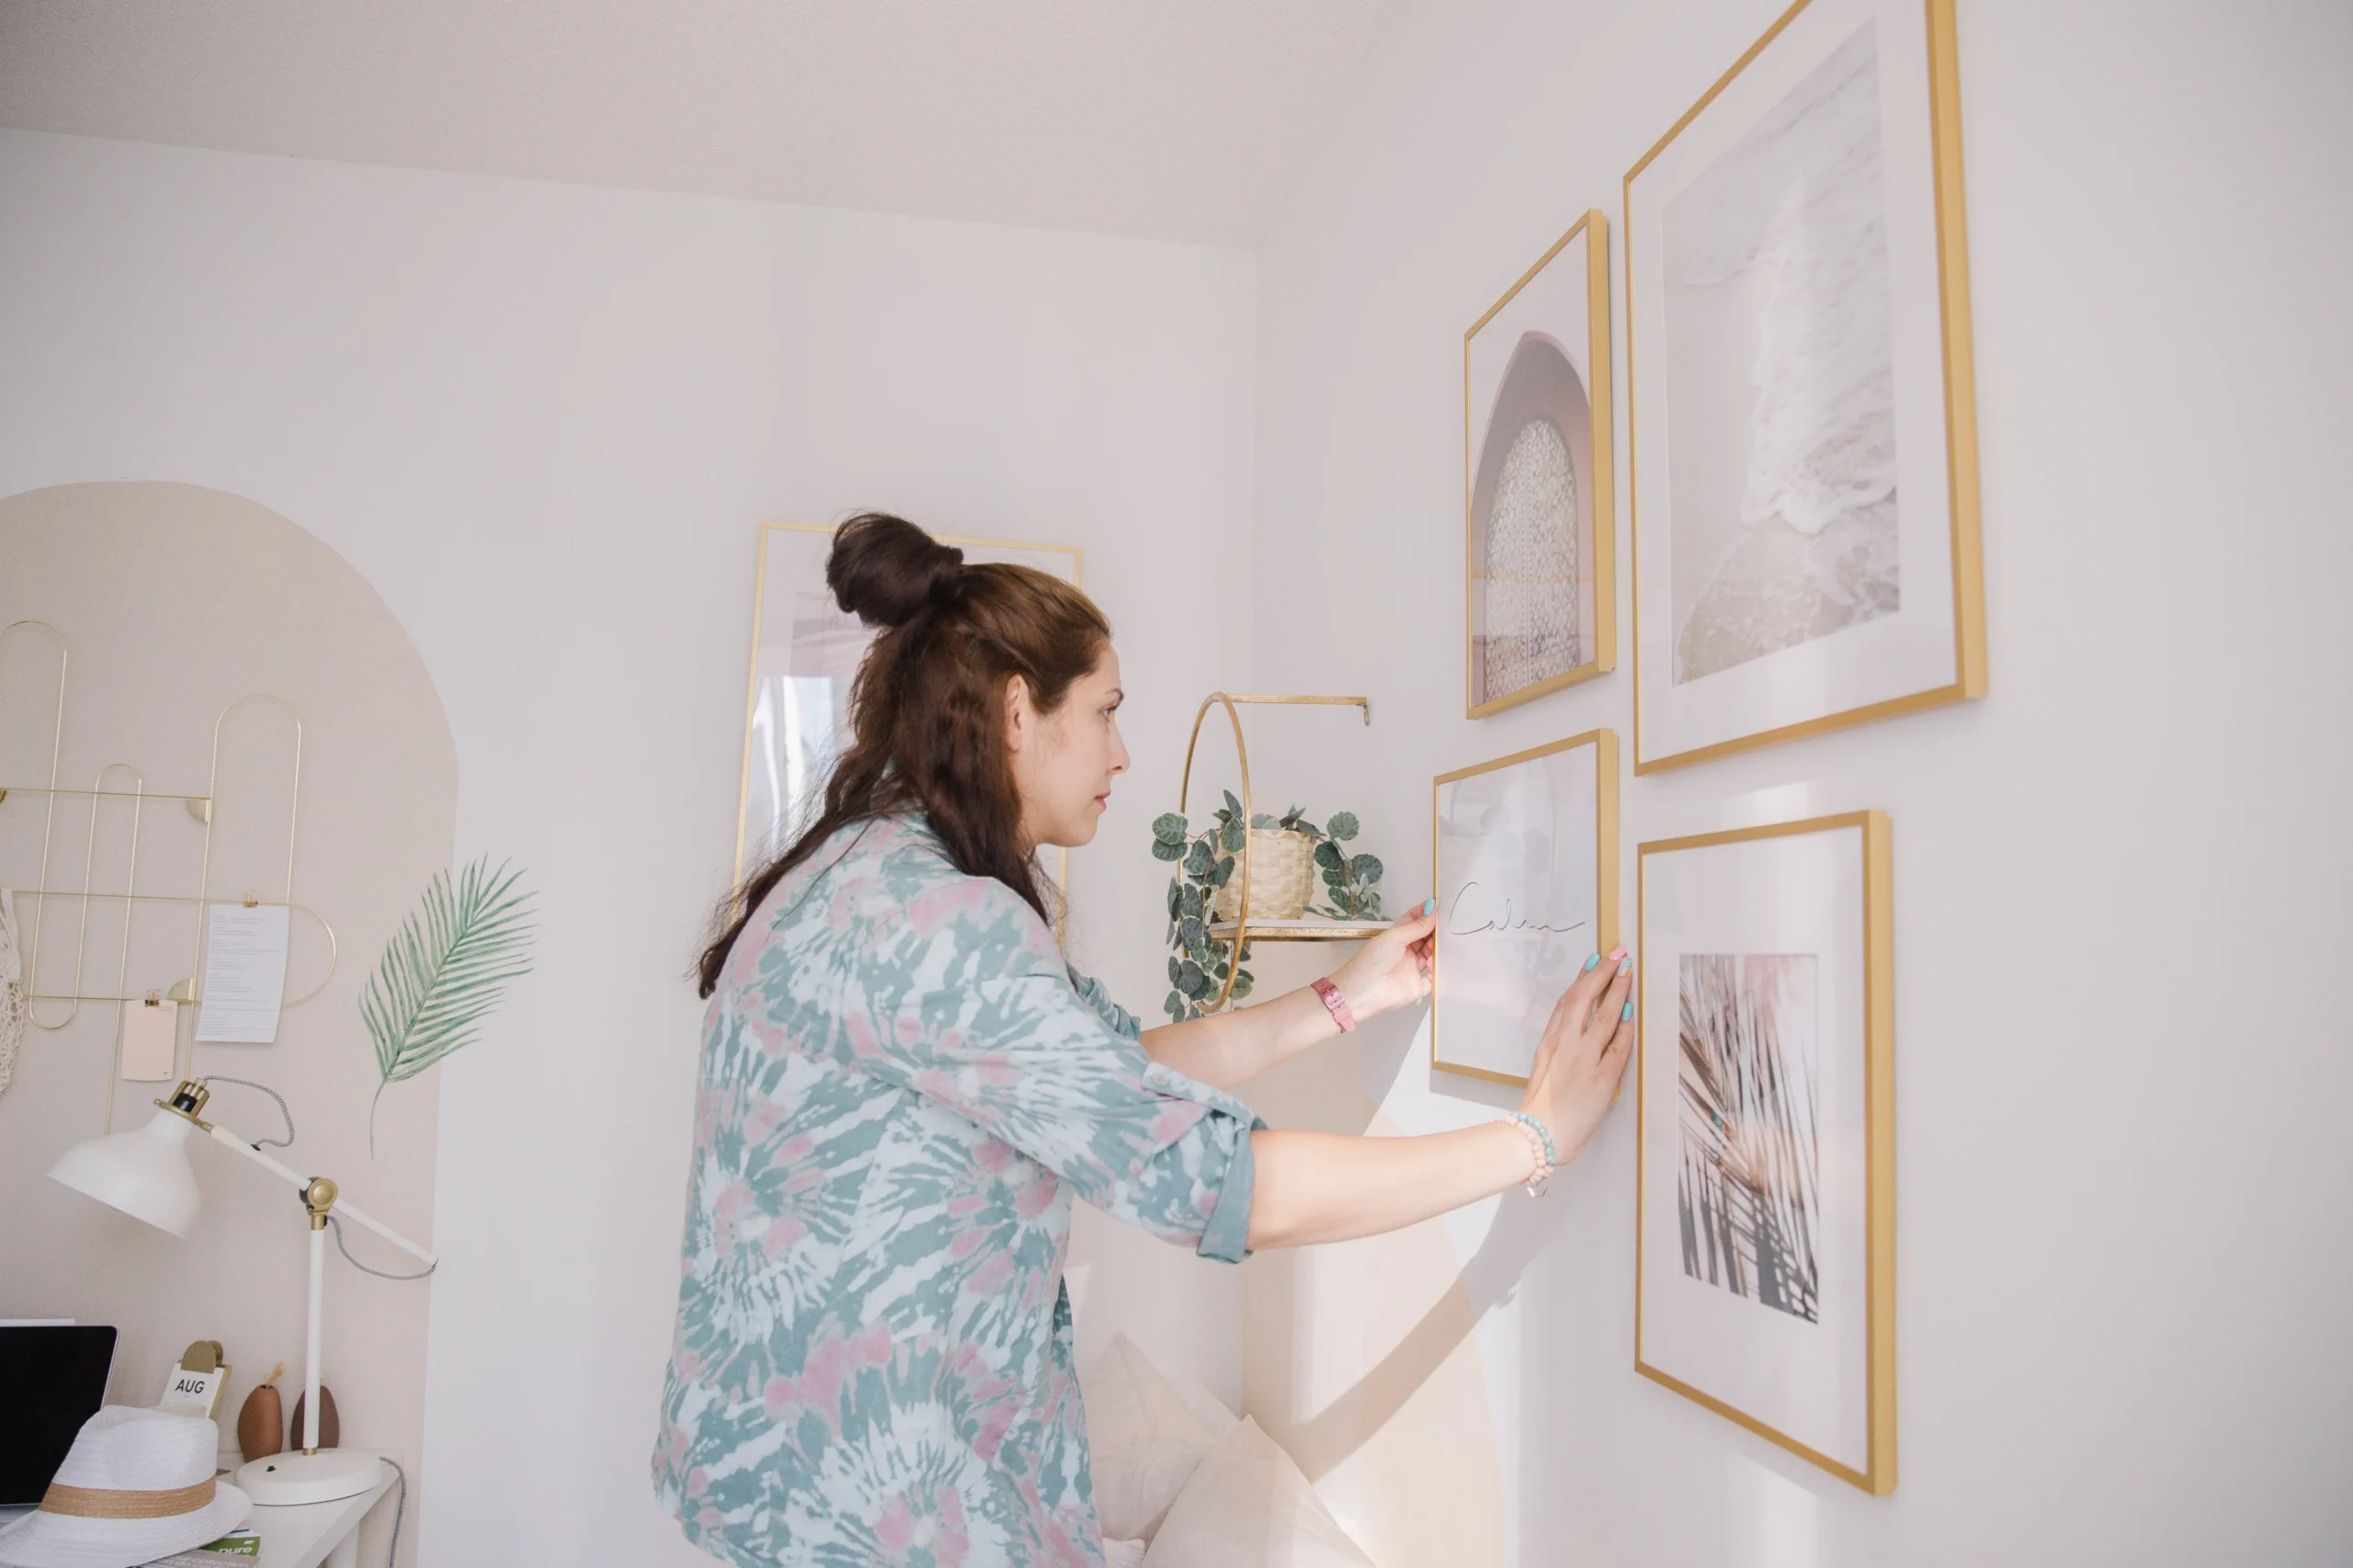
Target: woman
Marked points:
903	1086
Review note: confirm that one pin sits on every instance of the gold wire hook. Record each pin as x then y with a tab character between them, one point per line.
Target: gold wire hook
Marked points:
56	750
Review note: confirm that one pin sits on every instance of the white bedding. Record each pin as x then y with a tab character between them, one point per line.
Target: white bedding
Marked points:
1181	1481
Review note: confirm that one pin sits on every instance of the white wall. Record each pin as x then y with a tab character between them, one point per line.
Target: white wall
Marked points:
544	422
2120	886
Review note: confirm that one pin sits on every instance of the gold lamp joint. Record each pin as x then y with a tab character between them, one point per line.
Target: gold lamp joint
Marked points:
318	1197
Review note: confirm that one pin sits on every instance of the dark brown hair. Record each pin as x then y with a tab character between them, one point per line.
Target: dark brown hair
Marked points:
927	708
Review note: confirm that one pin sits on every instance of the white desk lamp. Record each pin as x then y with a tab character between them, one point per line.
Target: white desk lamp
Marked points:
146	1175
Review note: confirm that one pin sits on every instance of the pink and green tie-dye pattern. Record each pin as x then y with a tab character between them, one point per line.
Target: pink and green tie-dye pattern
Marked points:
902	1085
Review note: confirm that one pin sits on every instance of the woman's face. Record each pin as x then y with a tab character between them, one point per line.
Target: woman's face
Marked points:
1064	762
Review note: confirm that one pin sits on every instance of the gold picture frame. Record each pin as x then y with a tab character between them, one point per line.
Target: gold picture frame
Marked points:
1877	1474
1967	679
1597	496
768	531
1605	885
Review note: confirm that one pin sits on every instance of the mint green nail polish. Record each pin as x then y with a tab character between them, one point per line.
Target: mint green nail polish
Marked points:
1626	1014
1430	906
1593	963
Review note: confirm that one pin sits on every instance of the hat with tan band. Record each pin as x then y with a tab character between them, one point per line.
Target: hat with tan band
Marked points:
139	1484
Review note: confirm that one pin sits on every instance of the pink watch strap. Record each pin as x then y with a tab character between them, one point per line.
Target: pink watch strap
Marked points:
1335	1004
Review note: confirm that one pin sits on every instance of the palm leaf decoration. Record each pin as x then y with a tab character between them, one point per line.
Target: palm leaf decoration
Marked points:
443	971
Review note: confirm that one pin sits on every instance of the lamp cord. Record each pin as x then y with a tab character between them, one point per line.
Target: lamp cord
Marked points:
334	1221
286	1141
334	1224
400	1505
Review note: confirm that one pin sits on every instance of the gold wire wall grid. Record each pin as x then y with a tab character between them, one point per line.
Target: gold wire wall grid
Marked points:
1802	454
1525	919
1540	527
121	781
1242	929
1765	1150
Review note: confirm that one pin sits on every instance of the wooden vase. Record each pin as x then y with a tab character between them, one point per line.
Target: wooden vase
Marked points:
330	1425
261	1423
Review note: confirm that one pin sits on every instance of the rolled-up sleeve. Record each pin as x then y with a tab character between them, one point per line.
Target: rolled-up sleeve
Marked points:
972	1006
1224	1237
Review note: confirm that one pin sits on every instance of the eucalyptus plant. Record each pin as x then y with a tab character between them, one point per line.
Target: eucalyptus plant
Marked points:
1207	860
443	971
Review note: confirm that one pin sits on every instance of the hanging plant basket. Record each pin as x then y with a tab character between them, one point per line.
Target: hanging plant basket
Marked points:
1282	877
1247	876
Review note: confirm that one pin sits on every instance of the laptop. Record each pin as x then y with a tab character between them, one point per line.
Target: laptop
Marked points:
52	1379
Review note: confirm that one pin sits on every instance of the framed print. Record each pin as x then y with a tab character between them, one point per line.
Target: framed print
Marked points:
1527	877
1800	410
1538	524
805	651
1765	1182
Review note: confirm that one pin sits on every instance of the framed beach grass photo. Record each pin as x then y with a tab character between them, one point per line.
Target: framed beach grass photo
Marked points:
1764	1176
1800	406
1540	591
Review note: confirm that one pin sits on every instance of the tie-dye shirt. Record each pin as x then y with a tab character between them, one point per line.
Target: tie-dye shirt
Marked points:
903	1084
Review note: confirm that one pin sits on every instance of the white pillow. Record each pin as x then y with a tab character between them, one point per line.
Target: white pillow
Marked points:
1248	1505
1134	1485
1141	1440
1207	1408
1130	1400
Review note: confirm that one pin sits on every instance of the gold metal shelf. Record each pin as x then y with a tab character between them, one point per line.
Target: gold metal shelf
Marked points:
1242	927
1300	930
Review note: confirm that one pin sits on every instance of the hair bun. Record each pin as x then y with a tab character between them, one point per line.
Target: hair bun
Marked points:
886	571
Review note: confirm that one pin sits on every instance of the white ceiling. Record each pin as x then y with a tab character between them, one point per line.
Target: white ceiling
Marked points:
1175	119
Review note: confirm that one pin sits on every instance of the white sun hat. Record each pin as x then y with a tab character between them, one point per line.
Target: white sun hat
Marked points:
139	1484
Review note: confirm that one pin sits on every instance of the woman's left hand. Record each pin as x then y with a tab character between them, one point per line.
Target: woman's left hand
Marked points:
1392	969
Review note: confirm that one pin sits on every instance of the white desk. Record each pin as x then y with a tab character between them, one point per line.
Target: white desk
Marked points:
304	1535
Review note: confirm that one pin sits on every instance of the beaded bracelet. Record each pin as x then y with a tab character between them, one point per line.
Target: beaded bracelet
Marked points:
1539	1144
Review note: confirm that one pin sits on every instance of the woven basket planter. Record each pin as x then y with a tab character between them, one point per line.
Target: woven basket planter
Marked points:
1282	877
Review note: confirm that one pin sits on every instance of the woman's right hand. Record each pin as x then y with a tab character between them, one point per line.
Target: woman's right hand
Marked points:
1582	1054
1311	1187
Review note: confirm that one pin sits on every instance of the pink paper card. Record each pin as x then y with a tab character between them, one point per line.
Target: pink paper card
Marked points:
150	1041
